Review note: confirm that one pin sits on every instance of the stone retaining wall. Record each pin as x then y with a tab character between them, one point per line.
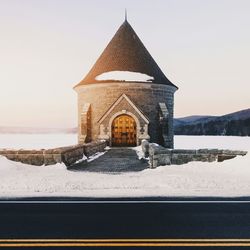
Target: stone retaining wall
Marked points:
67	155
159	155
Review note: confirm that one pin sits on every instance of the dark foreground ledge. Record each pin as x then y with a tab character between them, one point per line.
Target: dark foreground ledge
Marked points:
139	199
125	220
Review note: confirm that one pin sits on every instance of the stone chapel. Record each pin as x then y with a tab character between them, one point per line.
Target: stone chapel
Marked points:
126	98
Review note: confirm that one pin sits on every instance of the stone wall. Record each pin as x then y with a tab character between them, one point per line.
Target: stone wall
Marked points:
146	96
67	155
159	155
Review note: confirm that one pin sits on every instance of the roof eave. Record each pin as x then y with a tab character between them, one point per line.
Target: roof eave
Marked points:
84	83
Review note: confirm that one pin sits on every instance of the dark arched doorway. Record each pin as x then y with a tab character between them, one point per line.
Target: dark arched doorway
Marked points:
124	131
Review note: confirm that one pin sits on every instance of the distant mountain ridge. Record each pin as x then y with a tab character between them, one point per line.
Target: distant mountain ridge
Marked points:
190	119
237	123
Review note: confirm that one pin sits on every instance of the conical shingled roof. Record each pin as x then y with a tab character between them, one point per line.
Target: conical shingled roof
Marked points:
126	52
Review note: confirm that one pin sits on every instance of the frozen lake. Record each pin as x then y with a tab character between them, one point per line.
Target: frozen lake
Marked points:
36	141
39	141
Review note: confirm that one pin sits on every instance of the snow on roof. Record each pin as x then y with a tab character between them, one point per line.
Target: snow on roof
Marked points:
124	76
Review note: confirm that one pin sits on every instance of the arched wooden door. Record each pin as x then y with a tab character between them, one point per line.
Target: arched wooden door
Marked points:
124	131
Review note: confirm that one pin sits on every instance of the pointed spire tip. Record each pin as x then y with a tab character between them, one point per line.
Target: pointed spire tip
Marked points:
125	14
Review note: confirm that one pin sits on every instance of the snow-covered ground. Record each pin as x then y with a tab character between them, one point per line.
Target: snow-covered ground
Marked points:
229	178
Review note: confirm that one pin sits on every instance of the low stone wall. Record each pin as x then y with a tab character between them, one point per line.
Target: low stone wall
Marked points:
159	155
67	155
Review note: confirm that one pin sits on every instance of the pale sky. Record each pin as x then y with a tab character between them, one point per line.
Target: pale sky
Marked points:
48	46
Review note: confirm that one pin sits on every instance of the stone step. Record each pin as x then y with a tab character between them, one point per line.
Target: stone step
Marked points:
113	161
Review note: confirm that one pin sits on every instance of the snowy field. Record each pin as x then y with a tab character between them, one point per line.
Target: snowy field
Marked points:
230	178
